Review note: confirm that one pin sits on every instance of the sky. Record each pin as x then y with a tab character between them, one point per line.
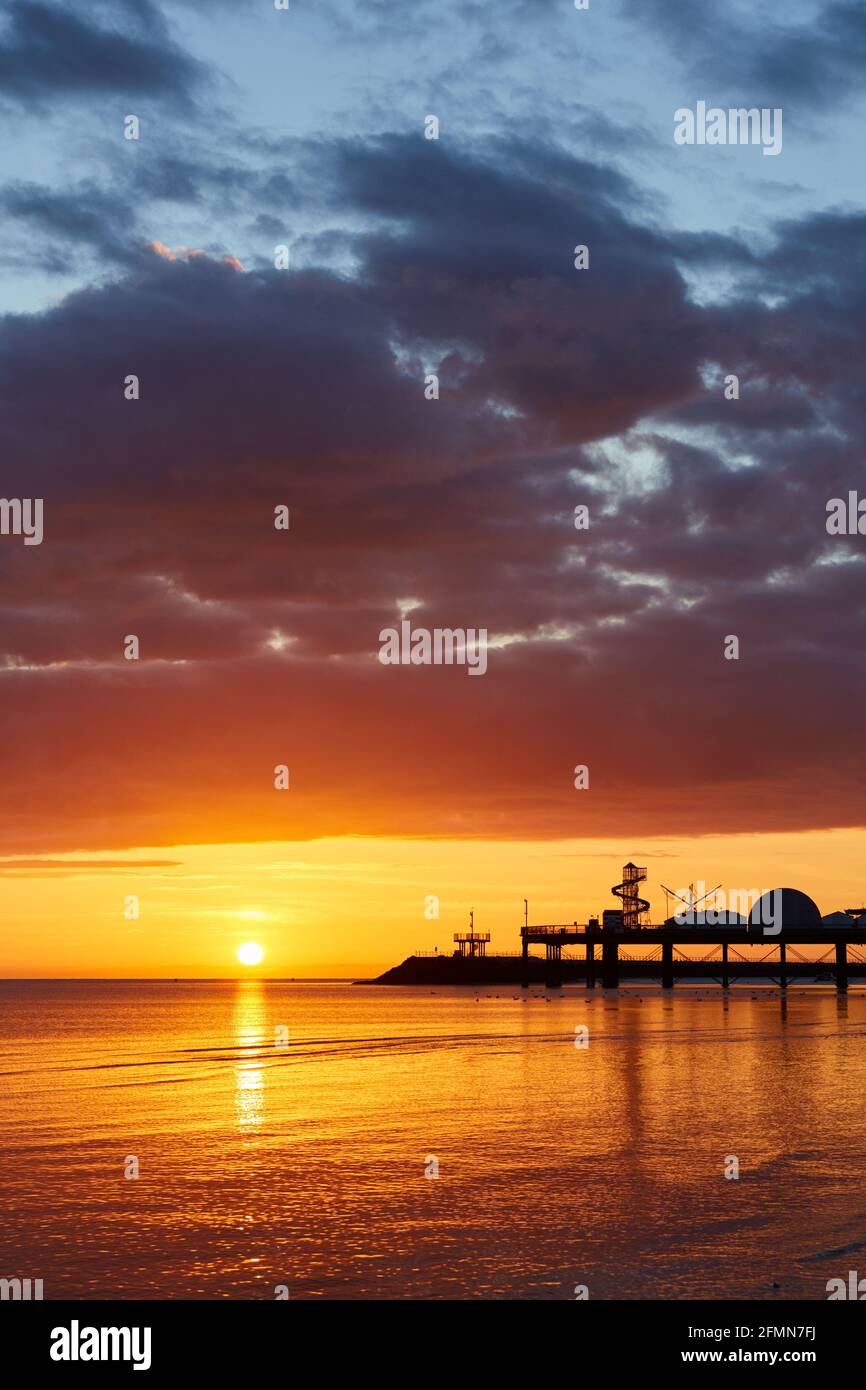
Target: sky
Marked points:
304	387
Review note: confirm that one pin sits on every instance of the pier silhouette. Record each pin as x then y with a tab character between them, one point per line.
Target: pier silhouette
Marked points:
605	960
781	921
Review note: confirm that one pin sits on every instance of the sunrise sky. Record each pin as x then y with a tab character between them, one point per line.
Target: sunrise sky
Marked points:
340	907
304	387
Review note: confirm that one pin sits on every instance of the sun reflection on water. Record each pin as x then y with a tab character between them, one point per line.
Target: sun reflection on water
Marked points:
249	1038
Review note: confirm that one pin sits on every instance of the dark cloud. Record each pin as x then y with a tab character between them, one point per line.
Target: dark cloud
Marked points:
90	225
50	51
83	215
558	387
749	57
488	267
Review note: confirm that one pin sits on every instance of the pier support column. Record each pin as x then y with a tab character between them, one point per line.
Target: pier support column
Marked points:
590	965
726	983
524	979
783	966
610	964
553	967
841	967
667	965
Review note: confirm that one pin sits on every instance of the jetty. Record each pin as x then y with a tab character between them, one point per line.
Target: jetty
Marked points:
782	938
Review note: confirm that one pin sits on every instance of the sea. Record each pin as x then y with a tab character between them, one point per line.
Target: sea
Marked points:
328	1140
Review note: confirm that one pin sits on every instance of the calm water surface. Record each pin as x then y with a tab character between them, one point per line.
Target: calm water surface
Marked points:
304	1165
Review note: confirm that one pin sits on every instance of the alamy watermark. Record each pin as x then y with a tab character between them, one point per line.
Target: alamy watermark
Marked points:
22	516
443	646
846	516
77	1343
739	125
854	1290
21	1290
714	909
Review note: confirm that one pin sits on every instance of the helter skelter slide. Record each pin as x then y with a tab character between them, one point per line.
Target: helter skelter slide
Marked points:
632	905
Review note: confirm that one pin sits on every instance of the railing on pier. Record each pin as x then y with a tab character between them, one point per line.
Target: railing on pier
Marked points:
495	955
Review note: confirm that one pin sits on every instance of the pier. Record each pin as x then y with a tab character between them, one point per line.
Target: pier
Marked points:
781	935
607	958
782	922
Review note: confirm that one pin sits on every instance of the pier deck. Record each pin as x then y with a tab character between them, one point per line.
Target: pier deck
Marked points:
603	963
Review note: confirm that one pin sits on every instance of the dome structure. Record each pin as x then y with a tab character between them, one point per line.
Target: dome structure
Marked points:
786	907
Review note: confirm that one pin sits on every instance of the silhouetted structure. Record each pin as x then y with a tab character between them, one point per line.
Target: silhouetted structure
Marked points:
632	906
780	919
472	944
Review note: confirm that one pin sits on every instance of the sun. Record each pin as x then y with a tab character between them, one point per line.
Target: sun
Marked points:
250	953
